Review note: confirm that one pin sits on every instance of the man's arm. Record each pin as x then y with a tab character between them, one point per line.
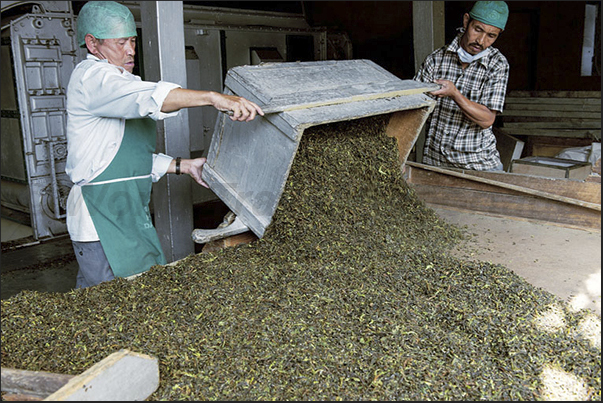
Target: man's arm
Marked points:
243	109
476	112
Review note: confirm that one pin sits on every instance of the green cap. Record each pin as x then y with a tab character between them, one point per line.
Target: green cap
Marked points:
104	20
493	13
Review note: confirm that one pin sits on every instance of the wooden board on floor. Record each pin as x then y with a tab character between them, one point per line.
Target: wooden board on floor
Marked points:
234	240
123	375
570	203
20	385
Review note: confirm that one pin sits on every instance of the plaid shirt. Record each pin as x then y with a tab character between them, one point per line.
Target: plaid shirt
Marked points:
452	138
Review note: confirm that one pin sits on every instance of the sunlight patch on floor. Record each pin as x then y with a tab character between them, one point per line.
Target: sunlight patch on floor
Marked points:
559	385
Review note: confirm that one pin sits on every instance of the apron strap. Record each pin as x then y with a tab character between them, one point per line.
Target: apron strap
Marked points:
114	180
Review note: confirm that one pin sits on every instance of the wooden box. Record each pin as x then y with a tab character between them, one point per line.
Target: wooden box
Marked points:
552	167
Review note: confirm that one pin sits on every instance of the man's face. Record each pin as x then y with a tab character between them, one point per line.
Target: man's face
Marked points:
118	51
478	36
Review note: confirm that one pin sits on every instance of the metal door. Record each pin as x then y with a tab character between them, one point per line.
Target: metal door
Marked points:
44	54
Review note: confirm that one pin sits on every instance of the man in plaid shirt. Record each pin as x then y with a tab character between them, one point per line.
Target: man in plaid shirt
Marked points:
473	78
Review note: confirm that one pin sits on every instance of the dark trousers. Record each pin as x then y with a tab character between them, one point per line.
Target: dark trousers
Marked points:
94	267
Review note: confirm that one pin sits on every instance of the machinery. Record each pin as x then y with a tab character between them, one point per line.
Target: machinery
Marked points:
39	53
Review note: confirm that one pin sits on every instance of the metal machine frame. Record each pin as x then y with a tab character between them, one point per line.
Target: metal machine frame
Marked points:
44	53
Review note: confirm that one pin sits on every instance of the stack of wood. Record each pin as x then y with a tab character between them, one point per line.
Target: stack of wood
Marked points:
550	121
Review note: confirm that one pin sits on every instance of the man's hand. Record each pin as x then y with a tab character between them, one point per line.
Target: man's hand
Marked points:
193	167
241	108
478	113
447	89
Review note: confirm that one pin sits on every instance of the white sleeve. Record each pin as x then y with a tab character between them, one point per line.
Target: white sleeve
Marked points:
161	163
114	93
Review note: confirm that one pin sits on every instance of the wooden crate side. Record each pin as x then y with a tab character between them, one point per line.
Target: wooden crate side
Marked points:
491	196
585	191
509	205
577	192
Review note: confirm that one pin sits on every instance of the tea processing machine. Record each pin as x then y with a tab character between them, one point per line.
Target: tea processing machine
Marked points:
248	162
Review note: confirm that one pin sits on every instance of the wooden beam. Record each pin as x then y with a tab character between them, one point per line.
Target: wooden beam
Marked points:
487	196
556	94
552	124
234	240
592	134
552	114
31	385
510	186
553	101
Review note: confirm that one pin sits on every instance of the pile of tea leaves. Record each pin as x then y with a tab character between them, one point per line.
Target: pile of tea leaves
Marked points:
350	295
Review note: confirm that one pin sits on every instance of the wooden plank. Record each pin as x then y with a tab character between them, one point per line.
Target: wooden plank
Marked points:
121	376
464	193
35	383
406	126
552	101
510	107
523	206
589	192
556	94
553	124
218	244
18	397
553	114
581	190
509	186
594	134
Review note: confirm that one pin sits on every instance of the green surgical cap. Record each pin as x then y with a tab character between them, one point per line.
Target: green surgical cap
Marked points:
104	20
493	13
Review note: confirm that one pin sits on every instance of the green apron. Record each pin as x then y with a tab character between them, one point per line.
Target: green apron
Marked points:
118	201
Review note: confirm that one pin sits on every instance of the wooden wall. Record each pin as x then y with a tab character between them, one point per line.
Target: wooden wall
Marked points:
543	40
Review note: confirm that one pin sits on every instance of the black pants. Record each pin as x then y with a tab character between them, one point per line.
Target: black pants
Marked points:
94	267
